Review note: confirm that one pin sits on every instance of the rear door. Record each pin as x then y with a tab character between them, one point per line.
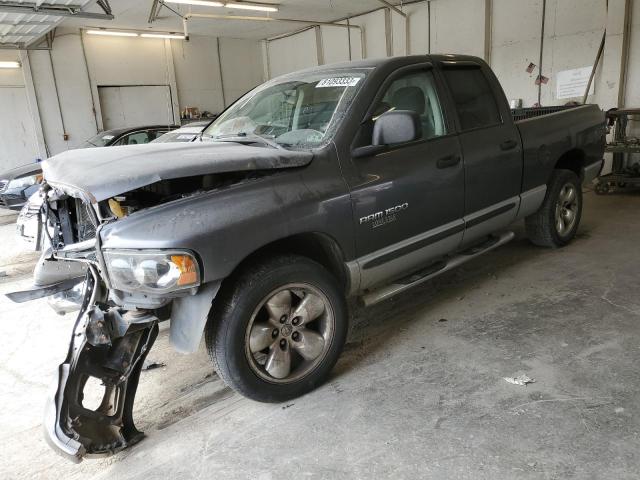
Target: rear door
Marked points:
408	202
490	146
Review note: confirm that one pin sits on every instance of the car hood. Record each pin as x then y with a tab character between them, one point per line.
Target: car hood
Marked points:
21	171
101	173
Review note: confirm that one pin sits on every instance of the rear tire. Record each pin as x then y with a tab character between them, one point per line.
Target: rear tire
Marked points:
278	328
556	221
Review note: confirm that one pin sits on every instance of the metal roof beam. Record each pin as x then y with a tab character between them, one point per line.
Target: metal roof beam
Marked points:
19	34
44	23
51	9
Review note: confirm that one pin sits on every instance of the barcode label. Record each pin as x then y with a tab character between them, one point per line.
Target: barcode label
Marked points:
338	82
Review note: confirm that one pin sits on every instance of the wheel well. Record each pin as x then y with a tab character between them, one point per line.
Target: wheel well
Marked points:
316	246
572	160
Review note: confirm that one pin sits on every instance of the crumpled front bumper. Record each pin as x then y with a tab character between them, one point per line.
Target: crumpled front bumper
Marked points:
110	345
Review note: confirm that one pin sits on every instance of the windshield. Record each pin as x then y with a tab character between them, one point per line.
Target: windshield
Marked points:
99	140
297	110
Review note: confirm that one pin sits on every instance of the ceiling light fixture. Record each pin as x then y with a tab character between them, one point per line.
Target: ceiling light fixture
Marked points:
113	33
163	35
252	6
203	3
9	64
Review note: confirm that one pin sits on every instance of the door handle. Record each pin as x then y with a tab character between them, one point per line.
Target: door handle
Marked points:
450	161
508	145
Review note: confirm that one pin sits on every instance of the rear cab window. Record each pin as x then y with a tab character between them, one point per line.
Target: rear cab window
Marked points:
473	98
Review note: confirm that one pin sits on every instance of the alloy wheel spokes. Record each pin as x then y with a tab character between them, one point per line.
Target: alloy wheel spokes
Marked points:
566	209
311	307
309	344
570	195
567	215
279	306
278	363
261	337
289	333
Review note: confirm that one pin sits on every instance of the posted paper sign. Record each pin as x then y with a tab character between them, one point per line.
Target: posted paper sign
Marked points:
573	83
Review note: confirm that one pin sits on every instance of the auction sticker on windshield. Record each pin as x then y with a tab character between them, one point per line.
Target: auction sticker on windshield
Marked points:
338	82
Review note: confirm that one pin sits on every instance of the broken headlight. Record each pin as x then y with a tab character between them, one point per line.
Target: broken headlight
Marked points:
154	272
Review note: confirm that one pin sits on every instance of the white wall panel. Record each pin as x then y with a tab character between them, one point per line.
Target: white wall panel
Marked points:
17	134
373	24
292	53
74	89
335	44
457	26
418	28
515	42
47	102
398	34
198	73
242	67
126	61
135	105
573	32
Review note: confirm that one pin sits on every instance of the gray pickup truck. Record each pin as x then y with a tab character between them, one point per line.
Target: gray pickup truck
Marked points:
349	181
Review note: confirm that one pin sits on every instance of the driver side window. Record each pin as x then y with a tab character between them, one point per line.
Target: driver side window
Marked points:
415	91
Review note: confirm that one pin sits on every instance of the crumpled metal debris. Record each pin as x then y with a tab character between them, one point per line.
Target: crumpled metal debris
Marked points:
152	365
520	380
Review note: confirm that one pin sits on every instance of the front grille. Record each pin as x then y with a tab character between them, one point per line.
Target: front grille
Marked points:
85	227
73	220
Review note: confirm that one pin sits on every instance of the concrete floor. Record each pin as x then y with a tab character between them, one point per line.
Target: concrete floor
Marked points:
418	393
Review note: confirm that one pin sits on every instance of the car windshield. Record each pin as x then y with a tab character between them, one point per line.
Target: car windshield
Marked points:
300	110
100	140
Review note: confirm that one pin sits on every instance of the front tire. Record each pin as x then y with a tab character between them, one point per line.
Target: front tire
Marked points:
278	329
556	221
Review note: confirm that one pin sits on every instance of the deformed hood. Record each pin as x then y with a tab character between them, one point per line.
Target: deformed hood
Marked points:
101	173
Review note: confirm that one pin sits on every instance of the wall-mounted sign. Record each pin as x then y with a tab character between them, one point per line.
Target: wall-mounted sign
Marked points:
573	83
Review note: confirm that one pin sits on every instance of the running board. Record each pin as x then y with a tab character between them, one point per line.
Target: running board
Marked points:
434	270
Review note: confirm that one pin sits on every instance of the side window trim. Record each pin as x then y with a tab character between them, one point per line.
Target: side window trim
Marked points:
463	65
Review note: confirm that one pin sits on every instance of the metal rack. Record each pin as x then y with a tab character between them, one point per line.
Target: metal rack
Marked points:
624	173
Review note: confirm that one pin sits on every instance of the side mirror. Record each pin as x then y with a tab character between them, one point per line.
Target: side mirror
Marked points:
396	126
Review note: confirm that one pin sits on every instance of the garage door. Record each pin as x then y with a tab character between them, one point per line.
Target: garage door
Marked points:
131	106
17	134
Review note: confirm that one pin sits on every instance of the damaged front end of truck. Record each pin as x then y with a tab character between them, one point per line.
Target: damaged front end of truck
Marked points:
115	329
130	283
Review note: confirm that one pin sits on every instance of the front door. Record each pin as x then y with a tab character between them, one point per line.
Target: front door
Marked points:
408	202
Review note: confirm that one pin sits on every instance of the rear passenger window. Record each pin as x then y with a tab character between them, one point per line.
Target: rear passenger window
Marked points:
473	97
416	91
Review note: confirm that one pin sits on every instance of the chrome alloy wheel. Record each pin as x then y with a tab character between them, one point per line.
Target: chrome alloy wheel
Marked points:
289	333
566	209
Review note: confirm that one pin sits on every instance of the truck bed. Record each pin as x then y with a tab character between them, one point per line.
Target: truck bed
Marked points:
548	133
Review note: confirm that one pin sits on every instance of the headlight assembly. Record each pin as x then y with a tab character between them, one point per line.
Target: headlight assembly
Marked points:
154	272
24	182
